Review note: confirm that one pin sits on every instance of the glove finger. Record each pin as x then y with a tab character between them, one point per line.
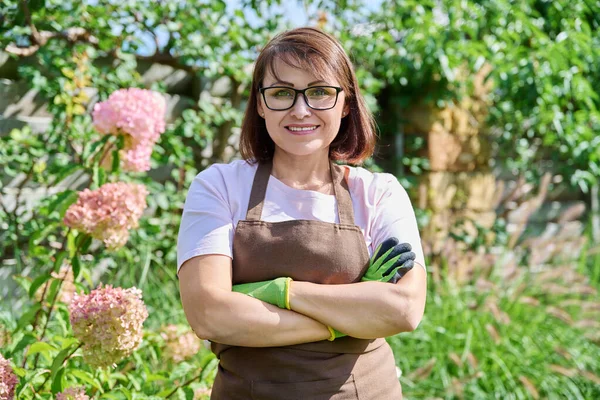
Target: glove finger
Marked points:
404	247
399	272
385	246
402	271
401	262
398	249
382	253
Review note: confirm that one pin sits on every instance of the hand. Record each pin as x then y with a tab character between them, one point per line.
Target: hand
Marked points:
390	262
276	291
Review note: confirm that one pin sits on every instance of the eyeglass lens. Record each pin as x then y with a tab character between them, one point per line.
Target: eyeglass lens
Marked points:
318	97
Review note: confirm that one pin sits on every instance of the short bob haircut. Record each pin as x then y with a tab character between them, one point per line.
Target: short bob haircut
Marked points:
313	50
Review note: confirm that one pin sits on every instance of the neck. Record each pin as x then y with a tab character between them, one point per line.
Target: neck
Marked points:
308	172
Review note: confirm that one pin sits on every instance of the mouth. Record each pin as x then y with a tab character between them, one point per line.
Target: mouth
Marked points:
302	130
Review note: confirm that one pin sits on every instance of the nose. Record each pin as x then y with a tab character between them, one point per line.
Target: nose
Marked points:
300	108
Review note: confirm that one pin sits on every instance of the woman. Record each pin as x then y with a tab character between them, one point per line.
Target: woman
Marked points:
303	227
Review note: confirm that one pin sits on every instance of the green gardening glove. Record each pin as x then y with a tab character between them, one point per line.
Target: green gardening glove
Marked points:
274	292
337	334
390	261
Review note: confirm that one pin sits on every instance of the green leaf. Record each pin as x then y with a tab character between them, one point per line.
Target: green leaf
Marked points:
23	281
20	372
41	347
28	316
83	242
68	342
126	392
115	161
189	393
41	234
58	362
24	342
86	377
58	381
93	149
120	142
181	370
135	382
110	396
37	282
118	376
212	363
53	291
98	176
63	201
59	260
165	392
71	246
30	377
66	171
155	377
162	201
76	266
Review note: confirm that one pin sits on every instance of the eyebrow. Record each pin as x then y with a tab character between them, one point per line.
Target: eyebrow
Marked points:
292	85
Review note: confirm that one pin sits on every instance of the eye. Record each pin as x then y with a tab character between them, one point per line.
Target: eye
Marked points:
321	92
281	93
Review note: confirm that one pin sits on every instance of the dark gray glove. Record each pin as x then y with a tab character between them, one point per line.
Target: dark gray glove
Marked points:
390	262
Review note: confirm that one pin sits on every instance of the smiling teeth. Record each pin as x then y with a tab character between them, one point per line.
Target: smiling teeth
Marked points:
308	128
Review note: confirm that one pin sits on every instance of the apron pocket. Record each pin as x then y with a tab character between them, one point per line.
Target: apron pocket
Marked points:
340	388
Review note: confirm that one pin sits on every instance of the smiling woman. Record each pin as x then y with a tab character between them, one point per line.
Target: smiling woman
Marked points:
293	266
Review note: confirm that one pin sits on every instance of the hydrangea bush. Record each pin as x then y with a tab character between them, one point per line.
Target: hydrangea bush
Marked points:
8	380
73	393
108	322
86	337
109	212
139	115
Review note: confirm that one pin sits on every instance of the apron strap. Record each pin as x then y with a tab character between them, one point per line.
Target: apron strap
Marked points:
259	190
340	190
342	194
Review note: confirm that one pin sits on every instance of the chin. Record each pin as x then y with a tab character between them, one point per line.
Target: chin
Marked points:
300	151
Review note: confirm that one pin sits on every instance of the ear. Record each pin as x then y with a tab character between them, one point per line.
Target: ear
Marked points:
345	110
259	107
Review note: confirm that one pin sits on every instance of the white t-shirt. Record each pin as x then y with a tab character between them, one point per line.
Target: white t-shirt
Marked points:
218	198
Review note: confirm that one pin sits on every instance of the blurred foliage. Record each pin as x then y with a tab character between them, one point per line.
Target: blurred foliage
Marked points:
546	72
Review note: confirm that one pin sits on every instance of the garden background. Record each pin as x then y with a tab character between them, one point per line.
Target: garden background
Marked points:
487	114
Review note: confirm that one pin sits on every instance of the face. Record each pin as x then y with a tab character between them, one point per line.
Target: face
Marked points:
319	127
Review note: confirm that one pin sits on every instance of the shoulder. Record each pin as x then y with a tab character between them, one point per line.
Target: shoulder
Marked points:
224	175
226	171
375	187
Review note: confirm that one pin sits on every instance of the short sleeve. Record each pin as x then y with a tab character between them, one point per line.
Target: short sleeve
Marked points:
207	222
395	216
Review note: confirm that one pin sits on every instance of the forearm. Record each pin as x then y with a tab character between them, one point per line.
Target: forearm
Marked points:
236	319
365	309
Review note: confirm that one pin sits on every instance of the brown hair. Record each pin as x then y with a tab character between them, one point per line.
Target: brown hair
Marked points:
314	50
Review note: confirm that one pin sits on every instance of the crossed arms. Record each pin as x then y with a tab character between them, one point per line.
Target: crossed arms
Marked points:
363	310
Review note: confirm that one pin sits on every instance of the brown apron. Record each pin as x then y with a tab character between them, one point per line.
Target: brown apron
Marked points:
313	251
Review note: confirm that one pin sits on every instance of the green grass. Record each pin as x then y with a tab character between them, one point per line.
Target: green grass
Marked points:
455	322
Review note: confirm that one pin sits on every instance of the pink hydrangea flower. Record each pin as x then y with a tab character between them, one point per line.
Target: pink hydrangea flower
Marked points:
179	346
73	393
140	115
108	212
108	322
8	380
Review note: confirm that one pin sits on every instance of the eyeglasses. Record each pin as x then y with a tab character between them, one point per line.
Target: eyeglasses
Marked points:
279	98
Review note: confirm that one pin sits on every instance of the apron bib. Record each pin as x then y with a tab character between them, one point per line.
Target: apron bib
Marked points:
314	251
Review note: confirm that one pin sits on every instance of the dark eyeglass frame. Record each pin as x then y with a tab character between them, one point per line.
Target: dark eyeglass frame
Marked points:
301	91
